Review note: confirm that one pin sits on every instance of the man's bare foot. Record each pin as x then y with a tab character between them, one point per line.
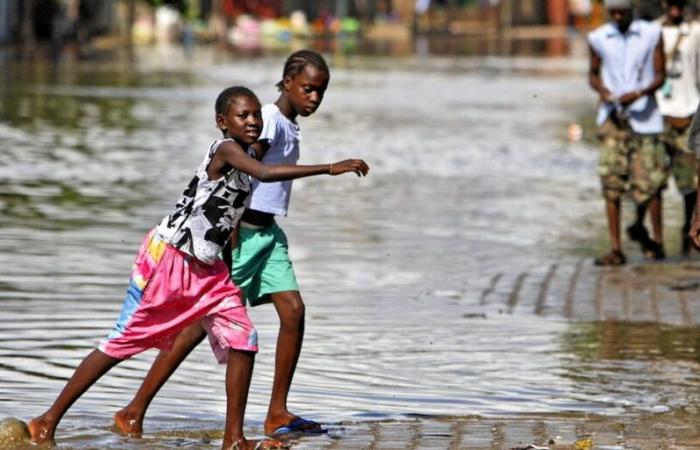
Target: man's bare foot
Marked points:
41	429
128	424
288	424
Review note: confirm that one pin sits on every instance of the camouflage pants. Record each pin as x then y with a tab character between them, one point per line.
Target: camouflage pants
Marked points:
683	160
631	163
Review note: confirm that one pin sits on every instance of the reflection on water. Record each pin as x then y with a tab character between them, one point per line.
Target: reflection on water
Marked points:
438	285
637	367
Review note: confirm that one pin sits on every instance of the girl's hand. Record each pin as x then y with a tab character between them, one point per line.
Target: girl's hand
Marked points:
349	165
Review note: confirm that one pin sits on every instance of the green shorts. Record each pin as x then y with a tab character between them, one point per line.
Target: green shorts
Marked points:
261	264
683	160
631	163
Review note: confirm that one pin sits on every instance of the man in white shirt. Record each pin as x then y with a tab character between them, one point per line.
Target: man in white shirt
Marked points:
626	69
678	98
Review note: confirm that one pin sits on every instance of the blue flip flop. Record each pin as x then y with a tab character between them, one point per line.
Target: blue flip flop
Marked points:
298	425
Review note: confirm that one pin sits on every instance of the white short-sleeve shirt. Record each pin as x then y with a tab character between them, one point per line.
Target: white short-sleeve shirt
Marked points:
628	65
283	137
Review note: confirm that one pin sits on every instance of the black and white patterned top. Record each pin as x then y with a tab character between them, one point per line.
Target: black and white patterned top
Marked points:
208	210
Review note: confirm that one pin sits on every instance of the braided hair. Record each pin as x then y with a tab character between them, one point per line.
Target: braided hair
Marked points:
298	60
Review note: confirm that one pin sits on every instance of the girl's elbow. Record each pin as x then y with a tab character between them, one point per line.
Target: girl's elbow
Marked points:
265	176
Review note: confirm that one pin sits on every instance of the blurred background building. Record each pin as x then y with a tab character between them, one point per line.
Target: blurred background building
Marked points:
265	23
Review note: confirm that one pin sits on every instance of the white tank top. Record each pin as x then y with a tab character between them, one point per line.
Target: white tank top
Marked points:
207	212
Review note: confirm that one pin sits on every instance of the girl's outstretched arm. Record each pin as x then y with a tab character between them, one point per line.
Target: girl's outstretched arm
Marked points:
231	154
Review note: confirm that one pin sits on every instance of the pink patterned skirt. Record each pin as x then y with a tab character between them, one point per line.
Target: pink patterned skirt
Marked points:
169	290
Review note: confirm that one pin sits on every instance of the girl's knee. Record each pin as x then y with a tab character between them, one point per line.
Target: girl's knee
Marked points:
296	310
291	310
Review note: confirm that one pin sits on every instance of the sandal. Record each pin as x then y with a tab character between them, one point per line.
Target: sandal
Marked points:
650	248
298	425
654	251
614	258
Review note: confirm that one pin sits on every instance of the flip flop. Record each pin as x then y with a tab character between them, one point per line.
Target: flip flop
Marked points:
298	425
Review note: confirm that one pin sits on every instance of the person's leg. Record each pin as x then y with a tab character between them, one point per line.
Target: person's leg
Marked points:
656	216
689	200
612	211
694	233
96	364
649	171
652	248
291	311
684	170
613	166
239	371
263	269
234	341
129	420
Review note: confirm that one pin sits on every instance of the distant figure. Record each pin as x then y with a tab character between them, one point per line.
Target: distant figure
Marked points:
678	98
694	146
626	69
261	263
179	277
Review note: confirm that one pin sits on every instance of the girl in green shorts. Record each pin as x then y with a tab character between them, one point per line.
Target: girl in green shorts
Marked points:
261	264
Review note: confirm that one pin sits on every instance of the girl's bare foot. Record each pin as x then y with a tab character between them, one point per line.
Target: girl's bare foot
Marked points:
41	429
128	424
245	444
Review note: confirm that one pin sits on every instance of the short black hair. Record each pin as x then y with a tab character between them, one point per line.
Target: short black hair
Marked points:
298	60
678	3
222	101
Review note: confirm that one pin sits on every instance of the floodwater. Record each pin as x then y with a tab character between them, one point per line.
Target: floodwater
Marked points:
442	285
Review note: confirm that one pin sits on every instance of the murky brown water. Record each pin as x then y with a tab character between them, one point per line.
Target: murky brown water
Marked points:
441	285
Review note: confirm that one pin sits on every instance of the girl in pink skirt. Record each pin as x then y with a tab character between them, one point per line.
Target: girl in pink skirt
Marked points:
179	277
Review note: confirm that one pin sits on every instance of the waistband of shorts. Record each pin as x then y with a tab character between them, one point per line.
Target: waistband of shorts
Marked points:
257	219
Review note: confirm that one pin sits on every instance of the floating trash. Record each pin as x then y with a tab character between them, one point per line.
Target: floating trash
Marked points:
13	433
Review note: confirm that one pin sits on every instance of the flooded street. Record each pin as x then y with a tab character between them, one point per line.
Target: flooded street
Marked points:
455	281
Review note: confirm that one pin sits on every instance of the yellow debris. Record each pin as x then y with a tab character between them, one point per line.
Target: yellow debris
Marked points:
584	444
